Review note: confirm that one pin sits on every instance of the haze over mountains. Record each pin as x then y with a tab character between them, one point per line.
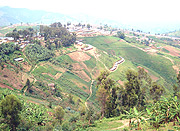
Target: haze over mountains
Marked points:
10	15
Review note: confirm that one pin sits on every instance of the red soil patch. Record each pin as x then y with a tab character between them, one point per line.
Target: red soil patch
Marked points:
143	68
84	66
5	86
76	66
82	75
121	82
11	77
172	50
79	56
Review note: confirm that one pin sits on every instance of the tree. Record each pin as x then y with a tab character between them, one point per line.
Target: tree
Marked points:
15	35
10	109
70	98
133	94
28	84
88	26
120	35
106	94
59	113
102	97
176	88
156	91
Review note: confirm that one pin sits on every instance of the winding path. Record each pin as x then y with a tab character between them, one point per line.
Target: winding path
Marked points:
115	66
89	94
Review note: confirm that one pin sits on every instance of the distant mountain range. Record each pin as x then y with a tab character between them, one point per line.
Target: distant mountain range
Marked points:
10	15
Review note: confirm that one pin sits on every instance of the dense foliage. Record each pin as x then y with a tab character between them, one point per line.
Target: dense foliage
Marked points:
27	34
38	53
61	35
5	51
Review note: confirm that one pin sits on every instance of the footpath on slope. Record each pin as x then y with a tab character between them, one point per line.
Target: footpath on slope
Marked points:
89	94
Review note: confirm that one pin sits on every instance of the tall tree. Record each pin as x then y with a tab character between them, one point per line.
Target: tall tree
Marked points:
59	113
132	94
156	91
106	94
10	109
102	98
176	88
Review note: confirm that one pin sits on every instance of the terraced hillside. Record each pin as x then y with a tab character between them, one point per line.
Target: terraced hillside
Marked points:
156	64
72	70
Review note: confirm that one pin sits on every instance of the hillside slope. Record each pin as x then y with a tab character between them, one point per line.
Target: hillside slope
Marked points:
73	71
159	67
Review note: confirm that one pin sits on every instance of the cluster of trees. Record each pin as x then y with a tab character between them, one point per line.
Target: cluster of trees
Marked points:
137	92
61	36
37	52
5	51
26	33
120	35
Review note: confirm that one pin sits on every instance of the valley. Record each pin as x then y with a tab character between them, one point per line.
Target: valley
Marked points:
64	71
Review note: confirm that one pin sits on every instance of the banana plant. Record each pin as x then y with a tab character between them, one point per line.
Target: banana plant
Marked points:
175	110
138	117
129	115
156	115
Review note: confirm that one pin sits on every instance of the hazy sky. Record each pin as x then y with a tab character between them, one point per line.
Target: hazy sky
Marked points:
121	10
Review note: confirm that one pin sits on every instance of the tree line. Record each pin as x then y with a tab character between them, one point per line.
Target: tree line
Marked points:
60	35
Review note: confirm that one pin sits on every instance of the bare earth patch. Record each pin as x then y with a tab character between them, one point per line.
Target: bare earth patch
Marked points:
79	56
76	66
11	77
84	66
121	82
172	50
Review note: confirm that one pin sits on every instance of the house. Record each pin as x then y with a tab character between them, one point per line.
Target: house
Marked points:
6	39
80	43
51	84
18	59
88	48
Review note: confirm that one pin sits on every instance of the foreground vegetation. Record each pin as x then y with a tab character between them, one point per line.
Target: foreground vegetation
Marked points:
139	101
